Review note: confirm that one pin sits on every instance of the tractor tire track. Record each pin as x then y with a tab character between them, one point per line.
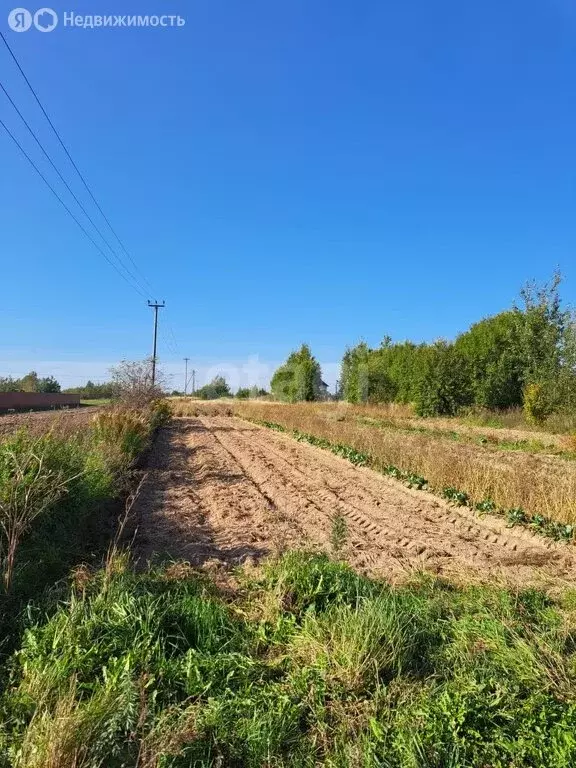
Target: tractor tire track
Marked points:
242	491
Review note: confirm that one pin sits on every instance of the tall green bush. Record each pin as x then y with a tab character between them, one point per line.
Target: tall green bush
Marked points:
494	361
298	379
444	382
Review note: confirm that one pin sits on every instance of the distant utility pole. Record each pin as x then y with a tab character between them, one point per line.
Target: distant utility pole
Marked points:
193	381
155	306
186	376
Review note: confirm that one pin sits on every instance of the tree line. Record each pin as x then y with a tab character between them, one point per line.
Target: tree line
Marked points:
525	356
91	391
31	382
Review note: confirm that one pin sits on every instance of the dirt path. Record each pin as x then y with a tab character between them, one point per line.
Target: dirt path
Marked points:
224	489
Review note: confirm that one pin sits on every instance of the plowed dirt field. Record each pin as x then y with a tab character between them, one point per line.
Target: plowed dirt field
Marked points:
222	489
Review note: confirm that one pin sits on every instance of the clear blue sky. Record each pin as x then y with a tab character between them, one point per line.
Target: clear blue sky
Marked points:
288	171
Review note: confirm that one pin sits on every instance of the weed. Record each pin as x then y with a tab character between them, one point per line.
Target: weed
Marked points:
460	498
486	506
339	532
122	431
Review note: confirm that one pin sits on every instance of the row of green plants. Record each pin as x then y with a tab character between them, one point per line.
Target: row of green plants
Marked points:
514	516
301	663
503	444
525	356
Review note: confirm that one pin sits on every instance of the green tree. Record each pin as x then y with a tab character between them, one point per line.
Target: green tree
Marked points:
493	364
29	383
298	379
381	375
8	384
494	361
48	385
444	383
542	325
217	388
546	342
91	391
354	373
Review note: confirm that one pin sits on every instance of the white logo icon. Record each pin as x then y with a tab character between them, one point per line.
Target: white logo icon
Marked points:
45	20
20	20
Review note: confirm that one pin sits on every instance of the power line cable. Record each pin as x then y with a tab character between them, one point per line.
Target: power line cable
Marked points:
39	143
169	343
171	332
173	337
67	209
69	156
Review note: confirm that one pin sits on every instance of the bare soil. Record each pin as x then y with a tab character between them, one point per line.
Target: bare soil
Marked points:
63	421
219	489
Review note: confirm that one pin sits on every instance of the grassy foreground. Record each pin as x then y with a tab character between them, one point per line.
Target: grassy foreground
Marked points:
301	663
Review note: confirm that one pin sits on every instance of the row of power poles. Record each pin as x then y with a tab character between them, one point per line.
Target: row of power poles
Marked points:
156	306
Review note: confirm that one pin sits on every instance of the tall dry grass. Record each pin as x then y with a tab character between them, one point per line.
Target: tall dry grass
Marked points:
496	426
190	407
539	484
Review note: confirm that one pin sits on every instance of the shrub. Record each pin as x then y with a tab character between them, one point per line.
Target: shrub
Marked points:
131	383
160	413
31	482
444	385
122	433
537	403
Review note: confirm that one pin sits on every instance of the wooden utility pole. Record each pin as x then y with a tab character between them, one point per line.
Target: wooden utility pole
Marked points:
186	377
155	307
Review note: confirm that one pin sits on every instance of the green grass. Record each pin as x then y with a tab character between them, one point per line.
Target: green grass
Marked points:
305	663
60	498
297	664
100	401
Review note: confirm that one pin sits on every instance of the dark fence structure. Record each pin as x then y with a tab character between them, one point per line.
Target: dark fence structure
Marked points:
36	401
